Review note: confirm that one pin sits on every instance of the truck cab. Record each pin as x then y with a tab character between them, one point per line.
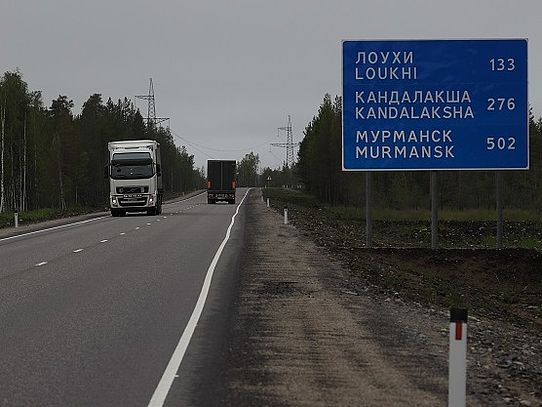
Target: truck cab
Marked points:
135	177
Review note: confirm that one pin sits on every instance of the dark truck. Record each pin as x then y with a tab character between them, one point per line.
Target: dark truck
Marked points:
221	181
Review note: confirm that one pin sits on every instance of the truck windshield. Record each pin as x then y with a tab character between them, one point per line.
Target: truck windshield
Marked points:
131	166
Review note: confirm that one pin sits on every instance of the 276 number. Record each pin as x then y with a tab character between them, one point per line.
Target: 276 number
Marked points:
501	104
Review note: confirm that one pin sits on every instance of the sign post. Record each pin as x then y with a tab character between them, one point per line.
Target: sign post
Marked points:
368	211
434	105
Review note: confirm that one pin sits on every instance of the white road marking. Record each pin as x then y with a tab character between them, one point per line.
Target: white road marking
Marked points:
148	224
55	228
82	222
184	200
43	263
78	250
103	241
137	228
122	233
162	390
165	217
157	220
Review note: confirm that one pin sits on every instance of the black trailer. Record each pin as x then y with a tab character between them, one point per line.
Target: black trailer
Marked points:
221	181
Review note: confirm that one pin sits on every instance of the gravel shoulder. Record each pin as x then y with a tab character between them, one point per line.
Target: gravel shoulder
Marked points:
304	335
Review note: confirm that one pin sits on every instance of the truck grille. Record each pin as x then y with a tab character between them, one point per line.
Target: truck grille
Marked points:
132	190
132	202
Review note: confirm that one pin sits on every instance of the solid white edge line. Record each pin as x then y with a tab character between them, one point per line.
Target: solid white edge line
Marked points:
184	200
55	228
162	390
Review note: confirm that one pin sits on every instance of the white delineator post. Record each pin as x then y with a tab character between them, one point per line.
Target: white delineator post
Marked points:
457	373
285	215
268	202
16	216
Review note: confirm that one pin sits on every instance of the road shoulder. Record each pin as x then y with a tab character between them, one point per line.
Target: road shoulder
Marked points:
300	337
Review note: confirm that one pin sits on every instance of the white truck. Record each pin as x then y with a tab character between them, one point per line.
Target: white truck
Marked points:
135	177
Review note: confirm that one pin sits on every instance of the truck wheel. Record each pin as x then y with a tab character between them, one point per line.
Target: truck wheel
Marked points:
152	211
114	213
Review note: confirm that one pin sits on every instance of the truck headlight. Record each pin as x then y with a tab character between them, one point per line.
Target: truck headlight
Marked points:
151	199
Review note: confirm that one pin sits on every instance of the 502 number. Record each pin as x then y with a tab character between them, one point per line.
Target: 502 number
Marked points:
501	143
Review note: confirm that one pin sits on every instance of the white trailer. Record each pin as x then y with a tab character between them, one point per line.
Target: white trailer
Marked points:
135	177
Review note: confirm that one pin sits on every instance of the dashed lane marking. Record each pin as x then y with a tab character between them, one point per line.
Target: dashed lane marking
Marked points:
43	263
78	250
122	233
103	241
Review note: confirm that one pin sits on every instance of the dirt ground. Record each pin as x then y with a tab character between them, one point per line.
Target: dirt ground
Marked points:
502	289
309	331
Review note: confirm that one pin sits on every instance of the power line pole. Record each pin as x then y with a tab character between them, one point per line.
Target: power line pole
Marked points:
289	145
151	118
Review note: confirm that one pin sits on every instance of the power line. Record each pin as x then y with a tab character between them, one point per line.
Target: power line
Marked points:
190	143
220	150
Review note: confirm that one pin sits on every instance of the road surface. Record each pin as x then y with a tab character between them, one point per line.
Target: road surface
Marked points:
92	313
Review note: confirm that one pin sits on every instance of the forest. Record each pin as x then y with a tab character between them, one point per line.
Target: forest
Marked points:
53	158
319	171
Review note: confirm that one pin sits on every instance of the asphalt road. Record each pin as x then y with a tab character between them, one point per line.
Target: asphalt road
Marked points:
91	314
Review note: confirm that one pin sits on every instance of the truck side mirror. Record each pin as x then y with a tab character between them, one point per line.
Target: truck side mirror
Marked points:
158	170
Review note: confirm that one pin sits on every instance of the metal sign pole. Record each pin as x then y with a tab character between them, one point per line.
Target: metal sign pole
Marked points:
500	219
434	210
368	210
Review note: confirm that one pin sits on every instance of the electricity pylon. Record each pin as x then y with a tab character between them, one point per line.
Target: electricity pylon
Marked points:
289	145
151	118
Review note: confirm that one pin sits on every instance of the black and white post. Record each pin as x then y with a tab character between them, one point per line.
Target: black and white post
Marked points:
268	202
16	219
285	215
457	372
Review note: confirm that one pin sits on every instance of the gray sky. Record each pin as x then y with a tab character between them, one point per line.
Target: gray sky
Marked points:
229	72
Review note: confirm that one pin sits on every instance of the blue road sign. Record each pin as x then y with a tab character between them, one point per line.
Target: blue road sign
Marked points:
435	105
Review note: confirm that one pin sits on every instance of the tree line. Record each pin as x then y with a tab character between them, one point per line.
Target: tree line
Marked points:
52	158
319	170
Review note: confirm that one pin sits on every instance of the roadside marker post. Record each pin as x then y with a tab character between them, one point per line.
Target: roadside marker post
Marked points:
268	202
285	215
457	373
16	216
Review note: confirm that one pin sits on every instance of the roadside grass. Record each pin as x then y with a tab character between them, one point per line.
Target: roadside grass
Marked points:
7	219
296	197
469	228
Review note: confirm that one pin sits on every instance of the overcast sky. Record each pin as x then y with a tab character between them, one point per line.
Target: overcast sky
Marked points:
229	72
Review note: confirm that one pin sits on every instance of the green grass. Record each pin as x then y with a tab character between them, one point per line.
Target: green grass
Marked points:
358	213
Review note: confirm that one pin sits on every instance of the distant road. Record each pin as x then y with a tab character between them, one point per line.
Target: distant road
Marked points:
91	313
